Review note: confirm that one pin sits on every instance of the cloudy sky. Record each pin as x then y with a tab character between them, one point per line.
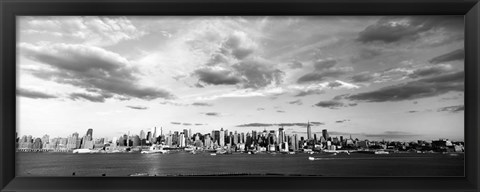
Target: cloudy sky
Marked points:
398	78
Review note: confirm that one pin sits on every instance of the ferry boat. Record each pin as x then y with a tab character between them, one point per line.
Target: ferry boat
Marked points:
155	149
138	174
381	153
86	151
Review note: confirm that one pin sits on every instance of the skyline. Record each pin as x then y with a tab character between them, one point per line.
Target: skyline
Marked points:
400	77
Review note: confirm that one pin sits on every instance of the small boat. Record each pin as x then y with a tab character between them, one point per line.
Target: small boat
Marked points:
82	151
155	149
314	158
138	174
213	154
381	153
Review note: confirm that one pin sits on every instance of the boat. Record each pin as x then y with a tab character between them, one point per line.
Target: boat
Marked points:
381	153
213	154
138	174
82	151
314	158
155	149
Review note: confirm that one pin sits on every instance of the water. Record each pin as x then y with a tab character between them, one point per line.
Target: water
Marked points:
182	163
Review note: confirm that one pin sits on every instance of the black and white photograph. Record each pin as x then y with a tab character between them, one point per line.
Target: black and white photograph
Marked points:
156	96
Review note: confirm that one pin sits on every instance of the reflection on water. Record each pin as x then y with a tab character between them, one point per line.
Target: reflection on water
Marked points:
186	164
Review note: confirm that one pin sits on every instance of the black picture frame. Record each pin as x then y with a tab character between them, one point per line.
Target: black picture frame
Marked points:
11	8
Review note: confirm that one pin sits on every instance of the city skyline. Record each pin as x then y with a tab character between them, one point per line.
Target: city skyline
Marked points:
396	77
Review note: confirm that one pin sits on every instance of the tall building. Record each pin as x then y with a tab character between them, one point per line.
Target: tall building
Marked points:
281	135
154	136
142	135
149	136
72	141
222	137
37	144
325	134
181	140
89	134
135	141
309	131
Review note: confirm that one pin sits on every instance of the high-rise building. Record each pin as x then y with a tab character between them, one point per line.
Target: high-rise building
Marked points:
90	133
309	131
142	135
325	134
37	144
181	140
135	141
149	136
72	141
281	135
154	136
222	137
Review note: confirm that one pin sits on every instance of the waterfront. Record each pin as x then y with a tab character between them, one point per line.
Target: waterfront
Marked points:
183	163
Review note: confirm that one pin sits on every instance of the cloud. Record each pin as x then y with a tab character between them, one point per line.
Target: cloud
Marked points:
430	71
334	84
324	74
452	109
217	76
319	88
297	102
413	111
393	134
421	88
392	29
260	109
176	123
137	107
458	54
364	77
173	103
324	64
202	104
212	114
342	121
324	69
88	97
257	74
280	111
234	64
197	124
186	124
88	30
92	68
332	104
303	93
280	124
256	125
239	45
295	65
365	54
34	94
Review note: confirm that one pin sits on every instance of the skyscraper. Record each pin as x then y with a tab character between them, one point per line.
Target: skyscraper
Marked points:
89	134
325	134
222	137
309	131
142	134
281	135
154	136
